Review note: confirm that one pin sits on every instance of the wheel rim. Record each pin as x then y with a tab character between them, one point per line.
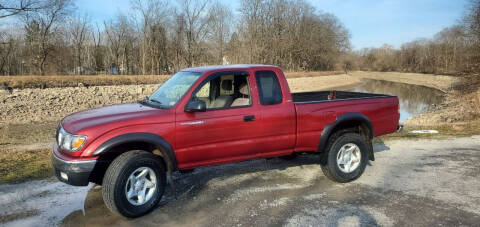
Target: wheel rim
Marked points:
349	157
141	185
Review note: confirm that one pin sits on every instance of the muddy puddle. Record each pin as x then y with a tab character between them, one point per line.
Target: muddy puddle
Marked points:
39	202
414	99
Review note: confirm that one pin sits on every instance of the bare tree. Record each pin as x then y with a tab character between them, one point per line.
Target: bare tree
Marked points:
79	29
177	48
120	41
291	34
197	20
472	18
8	47
97	53
14	7
41	28
152	16
220	29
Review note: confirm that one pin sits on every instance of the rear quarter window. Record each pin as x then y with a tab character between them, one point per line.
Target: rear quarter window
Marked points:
268	88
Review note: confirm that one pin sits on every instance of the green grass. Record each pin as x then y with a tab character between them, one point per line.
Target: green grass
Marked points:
19	166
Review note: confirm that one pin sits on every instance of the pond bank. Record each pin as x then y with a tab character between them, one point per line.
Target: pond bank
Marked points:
440	82
459	110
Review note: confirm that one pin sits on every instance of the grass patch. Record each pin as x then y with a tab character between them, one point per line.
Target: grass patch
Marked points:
18	166
444	131
27	134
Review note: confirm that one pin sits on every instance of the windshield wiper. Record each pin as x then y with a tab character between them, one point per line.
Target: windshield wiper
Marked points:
155	101
151	102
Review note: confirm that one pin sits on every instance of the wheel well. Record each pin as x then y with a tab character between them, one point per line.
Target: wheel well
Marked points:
107	157
355	126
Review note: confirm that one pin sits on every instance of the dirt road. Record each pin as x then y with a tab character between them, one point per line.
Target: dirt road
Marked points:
425	182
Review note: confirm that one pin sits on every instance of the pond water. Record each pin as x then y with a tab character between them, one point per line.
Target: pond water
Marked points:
414	99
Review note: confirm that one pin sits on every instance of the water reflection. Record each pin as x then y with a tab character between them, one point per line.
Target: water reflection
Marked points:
414	99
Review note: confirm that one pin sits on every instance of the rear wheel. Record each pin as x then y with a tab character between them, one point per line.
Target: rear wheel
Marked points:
346	158
134	183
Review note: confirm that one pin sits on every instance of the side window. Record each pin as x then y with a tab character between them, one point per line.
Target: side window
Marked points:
204	92
268	88
225	91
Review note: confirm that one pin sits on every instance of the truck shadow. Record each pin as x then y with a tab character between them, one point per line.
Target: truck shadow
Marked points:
380	146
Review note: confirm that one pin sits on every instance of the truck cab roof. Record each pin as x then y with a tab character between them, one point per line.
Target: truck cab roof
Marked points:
210	68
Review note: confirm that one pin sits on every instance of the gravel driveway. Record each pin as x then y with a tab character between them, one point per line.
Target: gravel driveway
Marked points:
424	182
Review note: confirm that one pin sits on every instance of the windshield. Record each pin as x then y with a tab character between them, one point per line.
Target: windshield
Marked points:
173	90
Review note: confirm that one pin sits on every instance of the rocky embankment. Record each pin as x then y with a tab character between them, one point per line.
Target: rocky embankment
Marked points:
51	104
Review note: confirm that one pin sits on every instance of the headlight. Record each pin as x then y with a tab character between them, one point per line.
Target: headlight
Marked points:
70	142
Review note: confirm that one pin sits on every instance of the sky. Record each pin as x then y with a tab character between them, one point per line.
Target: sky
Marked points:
371	22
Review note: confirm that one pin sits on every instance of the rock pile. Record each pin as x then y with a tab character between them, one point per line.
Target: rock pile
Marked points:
52	104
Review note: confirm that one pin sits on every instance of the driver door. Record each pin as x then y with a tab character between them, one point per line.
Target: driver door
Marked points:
223	133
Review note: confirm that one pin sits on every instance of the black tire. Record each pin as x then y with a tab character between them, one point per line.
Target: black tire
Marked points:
332	170
115	180
289	157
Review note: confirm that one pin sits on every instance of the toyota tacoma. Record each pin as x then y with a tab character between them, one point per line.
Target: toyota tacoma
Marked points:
215	115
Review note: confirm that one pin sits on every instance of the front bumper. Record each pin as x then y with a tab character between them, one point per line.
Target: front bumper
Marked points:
73	172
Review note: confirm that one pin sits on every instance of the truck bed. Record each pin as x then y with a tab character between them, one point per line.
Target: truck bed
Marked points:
326	96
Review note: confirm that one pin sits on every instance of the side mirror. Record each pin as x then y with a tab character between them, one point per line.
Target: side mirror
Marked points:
196	106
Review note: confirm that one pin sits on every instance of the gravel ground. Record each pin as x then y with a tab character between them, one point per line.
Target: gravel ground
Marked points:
411	183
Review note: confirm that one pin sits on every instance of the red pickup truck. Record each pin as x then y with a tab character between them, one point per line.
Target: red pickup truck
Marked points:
214	115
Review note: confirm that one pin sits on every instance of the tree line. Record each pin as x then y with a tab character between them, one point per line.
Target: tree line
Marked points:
162	37
454	50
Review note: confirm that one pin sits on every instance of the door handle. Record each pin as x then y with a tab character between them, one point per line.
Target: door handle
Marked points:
248	118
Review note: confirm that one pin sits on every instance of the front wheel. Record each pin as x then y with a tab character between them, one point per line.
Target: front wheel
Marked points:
346	158
134	183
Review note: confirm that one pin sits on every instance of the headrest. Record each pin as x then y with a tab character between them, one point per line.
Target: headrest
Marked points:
244	89
227	85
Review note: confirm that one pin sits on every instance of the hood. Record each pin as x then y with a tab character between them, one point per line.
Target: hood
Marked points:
107	118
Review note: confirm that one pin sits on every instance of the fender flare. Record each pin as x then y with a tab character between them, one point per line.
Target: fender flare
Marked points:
160	143
329	129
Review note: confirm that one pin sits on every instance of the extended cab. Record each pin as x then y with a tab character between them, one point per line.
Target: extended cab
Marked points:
214	115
